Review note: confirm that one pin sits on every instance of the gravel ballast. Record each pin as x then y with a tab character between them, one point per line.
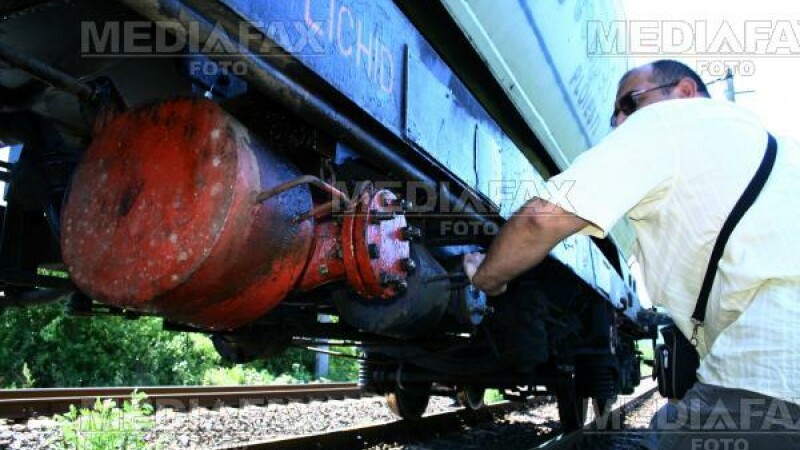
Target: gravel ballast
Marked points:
203	428
529	428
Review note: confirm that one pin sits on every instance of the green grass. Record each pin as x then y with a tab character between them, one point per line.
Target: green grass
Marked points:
107	426
492	396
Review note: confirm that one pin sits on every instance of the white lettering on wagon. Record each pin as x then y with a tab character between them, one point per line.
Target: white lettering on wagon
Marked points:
351	37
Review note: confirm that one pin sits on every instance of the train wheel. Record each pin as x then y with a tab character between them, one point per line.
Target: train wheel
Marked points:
407	404
571	406
470	397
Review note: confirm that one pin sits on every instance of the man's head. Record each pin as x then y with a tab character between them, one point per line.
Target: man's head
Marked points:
653	83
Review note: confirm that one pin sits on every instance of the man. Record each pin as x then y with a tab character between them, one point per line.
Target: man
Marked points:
676	163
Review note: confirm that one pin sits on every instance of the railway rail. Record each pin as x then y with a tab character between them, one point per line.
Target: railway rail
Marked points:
26	403
437	425
585	437
366	435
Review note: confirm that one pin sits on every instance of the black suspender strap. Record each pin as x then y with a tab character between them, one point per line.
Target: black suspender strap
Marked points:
745	201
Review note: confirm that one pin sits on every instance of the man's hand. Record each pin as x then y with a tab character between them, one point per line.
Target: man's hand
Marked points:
523	242
472	261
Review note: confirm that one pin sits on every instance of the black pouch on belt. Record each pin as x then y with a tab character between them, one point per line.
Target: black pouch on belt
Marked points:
676	363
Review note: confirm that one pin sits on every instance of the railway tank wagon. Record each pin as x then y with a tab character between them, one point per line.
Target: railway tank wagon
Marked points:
242	167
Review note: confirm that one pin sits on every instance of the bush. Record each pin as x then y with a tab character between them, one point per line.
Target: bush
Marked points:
295	362
342	368
102	351
228	376
42	347
106	426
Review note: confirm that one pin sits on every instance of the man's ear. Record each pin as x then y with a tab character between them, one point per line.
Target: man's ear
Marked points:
686	88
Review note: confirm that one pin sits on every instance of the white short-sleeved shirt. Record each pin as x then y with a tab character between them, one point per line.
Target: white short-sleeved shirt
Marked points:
676	168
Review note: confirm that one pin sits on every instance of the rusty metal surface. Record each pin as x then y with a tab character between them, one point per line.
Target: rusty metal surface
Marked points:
162	217
326	263
375	247
178	210
25	403
369	249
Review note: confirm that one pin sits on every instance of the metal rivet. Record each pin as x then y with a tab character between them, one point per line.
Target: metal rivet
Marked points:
408	265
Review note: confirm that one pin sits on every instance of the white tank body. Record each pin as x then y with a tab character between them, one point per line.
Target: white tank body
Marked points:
548	57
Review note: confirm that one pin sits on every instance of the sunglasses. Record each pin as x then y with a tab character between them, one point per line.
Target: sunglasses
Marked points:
628	103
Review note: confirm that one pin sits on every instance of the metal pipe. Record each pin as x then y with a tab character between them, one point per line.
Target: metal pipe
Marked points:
45	72
288	92
305	179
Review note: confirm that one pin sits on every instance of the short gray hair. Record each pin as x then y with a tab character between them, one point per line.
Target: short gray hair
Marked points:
666	71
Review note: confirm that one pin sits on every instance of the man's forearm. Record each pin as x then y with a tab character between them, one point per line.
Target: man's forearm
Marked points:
524	242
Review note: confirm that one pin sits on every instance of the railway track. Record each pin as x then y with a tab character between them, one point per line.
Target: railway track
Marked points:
447	428
593	437
26	403
364	436
505	425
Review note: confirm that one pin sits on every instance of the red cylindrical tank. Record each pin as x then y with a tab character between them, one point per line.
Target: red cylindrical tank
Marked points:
162	217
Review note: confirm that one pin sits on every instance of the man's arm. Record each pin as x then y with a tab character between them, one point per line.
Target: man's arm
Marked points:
523	242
